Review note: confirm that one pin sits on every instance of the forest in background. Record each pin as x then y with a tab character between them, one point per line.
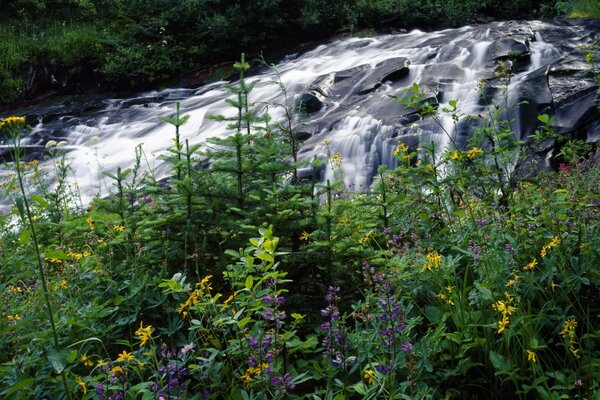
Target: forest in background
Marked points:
78	46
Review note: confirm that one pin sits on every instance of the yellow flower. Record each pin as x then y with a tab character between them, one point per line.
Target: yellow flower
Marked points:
569	327
503	308
531	356
117	370
13	318
119	228
304	236
531	265
64	284
90	221
144	334
326	142
434	260
86	360
553	286
337	159
369	376
125	356
82	385
555	240
455	155
474	153
503	323
14	289
12	122
247	378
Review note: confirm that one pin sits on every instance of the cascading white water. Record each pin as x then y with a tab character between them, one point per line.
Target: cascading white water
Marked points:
106	139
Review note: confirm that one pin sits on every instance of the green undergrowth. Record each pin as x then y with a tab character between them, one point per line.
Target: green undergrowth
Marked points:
78	46
585	9
248	279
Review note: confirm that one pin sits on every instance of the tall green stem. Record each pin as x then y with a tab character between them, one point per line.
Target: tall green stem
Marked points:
38	256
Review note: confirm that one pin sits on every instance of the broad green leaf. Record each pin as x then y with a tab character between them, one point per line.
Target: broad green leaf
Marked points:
249	282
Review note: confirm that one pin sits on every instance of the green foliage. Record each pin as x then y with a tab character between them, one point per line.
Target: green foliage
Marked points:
133	44
584	9
449	278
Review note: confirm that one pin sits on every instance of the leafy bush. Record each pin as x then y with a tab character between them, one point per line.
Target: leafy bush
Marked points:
449	278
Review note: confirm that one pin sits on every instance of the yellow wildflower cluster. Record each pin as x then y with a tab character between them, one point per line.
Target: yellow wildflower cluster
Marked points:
365	238
144	334
30	165
555	240
531	356
402	150
369	376
125	356
531	265
446	295
251	372
119	228
13	318
10	122
506	309
474	153
195	296
82	385
305	235
568	331
77	256
85	360
455	156
14	289
434	260
90	221
512	282
337	159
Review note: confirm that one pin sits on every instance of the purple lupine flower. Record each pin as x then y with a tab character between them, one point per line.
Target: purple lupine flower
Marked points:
252	342
252	361
509	249
406	346
100	392
475	251
385	369
481	222
387	230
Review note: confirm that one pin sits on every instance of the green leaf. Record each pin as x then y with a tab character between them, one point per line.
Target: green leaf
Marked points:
40	200
72	356
501	363
21	207
10	186
249	282
485	292
58	360
243	322
24	236
297	316
265	257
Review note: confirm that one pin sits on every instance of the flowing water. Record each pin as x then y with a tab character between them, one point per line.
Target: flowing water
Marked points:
105	139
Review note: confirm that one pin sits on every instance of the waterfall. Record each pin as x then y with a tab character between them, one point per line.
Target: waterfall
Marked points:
357	117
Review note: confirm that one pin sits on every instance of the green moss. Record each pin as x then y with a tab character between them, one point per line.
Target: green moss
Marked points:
585	9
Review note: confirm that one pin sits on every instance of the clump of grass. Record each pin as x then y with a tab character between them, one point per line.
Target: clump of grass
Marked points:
585	9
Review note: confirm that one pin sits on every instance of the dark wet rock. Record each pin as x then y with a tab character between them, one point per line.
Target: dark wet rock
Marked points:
534	96
575	95
313	100
389	70
506	48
